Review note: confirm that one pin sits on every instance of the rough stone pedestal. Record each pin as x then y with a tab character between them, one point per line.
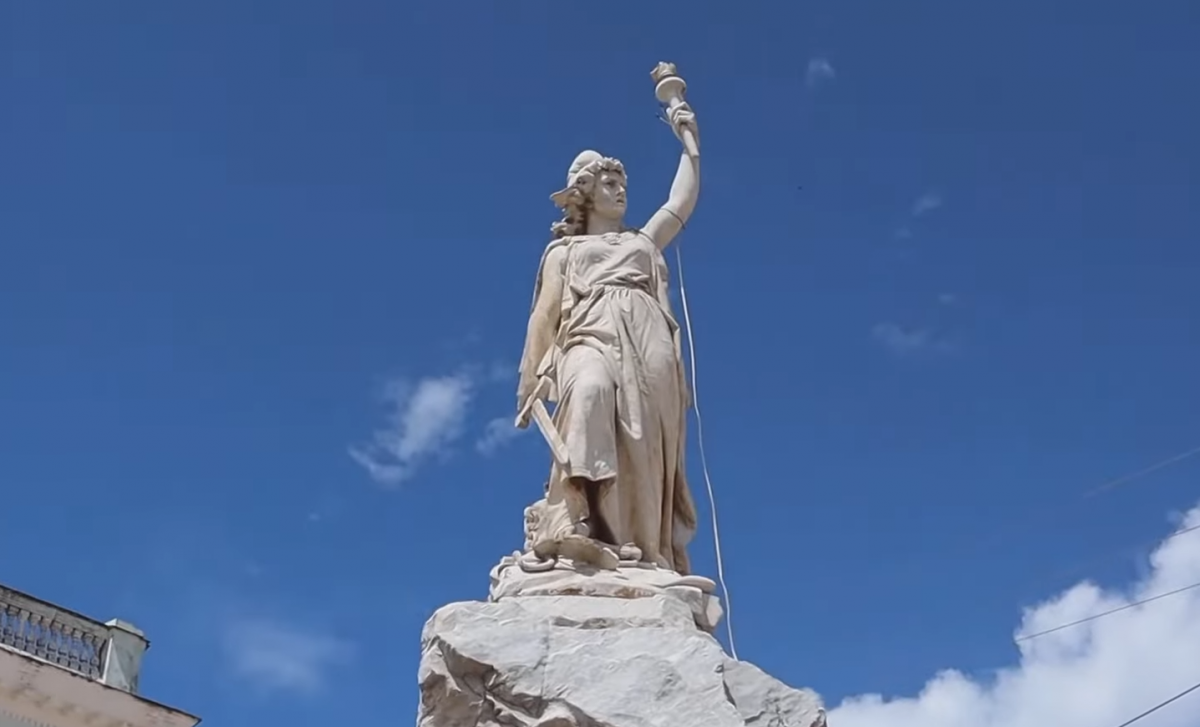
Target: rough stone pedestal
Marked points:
593	661
629	581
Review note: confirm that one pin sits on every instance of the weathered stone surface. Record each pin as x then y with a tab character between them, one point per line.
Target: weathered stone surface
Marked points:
764	701
578	661
629	581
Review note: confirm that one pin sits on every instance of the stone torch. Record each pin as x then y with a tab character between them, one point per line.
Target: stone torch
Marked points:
669	89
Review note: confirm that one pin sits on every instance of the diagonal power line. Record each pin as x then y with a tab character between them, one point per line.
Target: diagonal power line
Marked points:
1162	704
1044	513
1136	550
1110	612
1114	484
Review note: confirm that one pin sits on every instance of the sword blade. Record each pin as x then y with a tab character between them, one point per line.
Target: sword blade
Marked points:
558	448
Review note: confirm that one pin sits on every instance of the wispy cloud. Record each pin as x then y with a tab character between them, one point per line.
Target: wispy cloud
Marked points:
819	71
274	657
424	420
427	417
927	203
501	372
1100	672
497	433
923	206
906	341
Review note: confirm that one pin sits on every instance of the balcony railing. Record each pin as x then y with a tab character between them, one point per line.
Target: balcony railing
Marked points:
107	652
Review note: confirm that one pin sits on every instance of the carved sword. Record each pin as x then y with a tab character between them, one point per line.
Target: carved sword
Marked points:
536	407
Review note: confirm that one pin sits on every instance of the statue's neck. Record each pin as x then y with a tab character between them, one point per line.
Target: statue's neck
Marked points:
601	226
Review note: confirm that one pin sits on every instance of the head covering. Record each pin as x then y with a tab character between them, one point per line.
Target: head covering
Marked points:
584	162
586	158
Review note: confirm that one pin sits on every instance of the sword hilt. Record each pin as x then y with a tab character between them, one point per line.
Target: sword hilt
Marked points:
539	392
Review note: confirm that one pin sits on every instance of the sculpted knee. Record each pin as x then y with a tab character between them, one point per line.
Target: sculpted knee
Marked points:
594	386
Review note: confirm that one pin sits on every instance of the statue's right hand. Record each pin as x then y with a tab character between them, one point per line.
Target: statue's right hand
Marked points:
530	388
524	391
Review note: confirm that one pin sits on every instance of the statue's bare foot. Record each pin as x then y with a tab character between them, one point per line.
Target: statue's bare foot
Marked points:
629	551
585	550
583	528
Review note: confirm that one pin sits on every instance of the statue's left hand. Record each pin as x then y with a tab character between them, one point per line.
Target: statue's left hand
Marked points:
683	115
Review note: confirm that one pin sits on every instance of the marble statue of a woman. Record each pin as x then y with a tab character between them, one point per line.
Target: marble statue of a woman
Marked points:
603	345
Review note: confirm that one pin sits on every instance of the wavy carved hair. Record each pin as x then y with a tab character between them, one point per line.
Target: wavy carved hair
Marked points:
576	200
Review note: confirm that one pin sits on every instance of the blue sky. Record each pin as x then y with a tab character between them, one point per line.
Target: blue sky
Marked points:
942	275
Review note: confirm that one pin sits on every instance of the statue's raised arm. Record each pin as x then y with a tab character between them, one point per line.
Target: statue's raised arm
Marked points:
672	216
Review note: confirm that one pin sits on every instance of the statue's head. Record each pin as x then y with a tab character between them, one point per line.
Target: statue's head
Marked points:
595	186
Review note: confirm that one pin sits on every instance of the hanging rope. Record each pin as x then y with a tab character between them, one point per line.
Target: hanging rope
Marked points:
712	500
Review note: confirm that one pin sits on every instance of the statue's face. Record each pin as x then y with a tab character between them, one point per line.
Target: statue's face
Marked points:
608	196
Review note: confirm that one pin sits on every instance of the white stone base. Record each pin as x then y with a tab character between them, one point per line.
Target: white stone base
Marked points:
630	581
579	661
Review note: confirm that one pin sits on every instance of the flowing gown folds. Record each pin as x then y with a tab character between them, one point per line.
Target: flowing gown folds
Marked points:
621	395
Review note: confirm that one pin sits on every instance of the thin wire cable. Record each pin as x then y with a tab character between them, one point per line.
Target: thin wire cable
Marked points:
1110	612
712	499
1038	516
1137	550
1113	484
1177	533
1162	704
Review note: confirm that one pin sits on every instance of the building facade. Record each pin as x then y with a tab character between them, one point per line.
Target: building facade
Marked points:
62	669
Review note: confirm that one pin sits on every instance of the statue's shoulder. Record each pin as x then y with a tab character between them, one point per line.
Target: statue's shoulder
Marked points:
555	250
555	255
558	243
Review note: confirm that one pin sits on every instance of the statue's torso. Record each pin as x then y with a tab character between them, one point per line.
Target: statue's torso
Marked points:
624	259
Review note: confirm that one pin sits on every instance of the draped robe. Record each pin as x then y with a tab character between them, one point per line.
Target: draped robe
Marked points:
621	396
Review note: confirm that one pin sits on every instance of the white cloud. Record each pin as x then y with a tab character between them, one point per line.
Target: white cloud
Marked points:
425	419
924	205
274	657
904	341
497	433
927	203
1096	674
819	71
